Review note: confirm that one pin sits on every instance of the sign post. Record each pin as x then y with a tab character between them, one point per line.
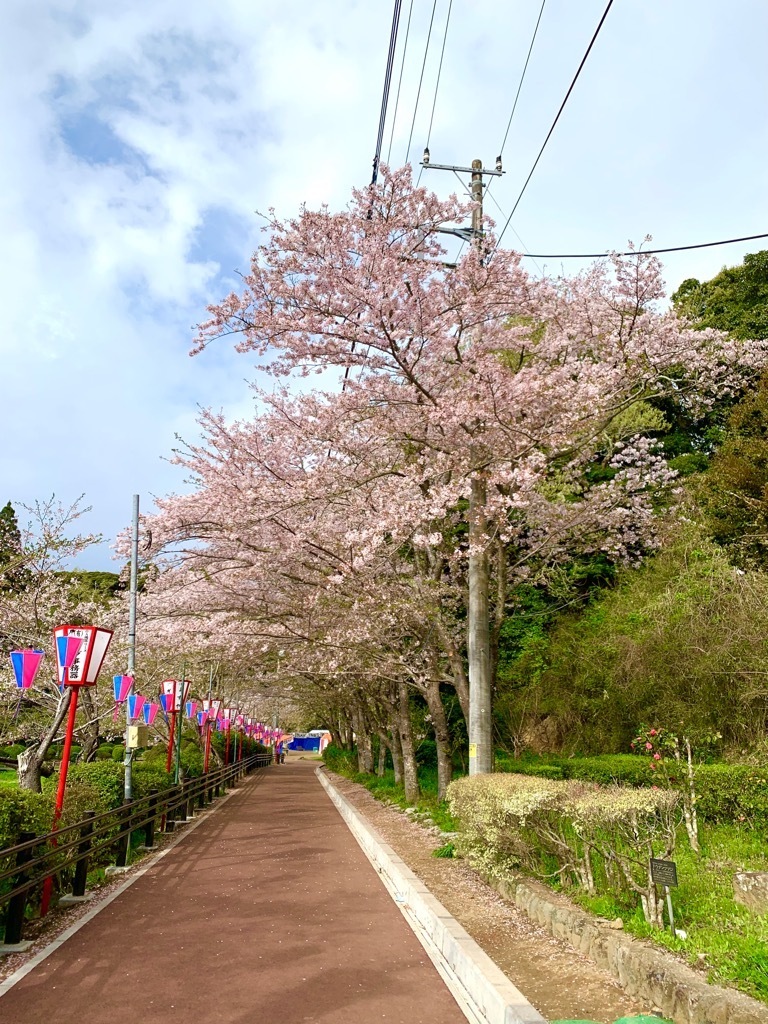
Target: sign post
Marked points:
664	872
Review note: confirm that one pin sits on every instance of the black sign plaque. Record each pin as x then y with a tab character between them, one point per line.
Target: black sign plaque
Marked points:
664	872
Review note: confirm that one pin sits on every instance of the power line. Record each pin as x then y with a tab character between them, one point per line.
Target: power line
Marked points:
637	252
387	84
400	81
522	78
557	118
439	70
421	79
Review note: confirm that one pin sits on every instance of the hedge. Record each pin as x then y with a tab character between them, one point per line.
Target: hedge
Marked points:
725	792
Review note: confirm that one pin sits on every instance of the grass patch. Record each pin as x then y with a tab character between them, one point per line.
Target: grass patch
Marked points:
731	941
384	788
8	777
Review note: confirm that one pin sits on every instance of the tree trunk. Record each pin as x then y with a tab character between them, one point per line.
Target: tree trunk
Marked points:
479	635
458	673
30	762
442	737
381	765
89	733
410	772
364	748
397	754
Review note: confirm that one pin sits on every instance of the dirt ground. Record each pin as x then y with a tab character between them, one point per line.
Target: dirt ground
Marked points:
560	982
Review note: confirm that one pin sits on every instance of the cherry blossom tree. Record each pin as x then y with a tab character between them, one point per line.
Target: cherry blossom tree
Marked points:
472	384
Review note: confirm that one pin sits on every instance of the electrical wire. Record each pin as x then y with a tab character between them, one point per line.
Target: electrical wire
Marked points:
421	79
520	240
400	81
522	78
557	118
637	252
387	84
437	83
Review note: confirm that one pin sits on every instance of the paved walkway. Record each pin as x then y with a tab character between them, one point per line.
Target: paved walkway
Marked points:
268	911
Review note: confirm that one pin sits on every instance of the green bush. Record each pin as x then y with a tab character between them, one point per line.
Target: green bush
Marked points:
104	752
192	761
13	750
149	775
725	792
23	811
118	752
732	793
105	777
339	760
598	838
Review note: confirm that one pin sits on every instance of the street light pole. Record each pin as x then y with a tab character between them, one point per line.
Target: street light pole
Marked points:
128	761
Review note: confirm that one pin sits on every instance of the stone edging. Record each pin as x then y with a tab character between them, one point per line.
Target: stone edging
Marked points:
472	976
641	970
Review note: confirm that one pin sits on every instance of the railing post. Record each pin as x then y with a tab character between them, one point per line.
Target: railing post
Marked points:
83	850
188	805
149	828
125	818
170	812
14	915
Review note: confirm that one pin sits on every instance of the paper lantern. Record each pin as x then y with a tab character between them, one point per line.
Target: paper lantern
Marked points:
122	686
135	704
149	711
80	665
25	665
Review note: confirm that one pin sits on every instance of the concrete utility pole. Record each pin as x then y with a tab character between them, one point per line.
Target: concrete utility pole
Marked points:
478	610
131	641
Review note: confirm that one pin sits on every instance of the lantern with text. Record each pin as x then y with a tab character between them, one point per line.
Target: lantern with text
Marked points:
80	653
80	663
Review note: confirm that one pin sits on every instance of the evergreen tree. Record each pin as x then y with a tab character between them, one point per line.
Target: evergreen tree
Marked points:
14	576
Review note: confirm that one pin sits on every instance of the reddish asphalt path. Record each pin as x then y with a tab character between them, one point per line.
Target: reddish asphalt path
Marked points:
267	912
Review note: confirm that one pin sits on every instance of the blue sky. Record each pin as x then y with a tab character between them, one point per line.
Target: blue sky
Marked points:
139	139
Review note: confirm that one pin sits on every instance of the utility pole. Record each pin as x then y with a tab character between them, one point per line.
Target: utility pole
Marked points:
478	608
128	762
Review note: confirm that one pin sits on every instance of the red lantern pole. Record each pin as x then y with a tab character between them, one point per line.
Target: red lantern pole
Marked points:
208	725
169	758
45	900
172	713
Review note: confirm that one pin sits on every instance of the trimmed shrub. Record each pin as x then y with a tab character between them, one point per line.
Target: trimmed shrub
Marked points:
23	811
732	793
192	761
724	792
104	752
106	778
148	775
576	832
118	752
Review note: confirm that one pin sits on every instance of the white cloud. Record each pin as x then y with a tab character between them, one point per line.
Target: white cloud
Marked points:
139	139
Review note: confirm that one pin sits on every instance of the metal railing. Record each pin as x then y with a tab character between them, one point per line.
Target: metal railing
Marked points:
100	839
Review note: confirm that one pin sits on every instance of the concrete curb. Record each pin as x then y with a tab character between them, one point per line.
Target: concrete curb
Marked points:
483	991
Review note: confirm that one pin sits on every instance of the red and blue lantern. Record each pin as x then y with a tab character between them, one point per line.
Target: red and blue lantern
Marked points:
25	666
